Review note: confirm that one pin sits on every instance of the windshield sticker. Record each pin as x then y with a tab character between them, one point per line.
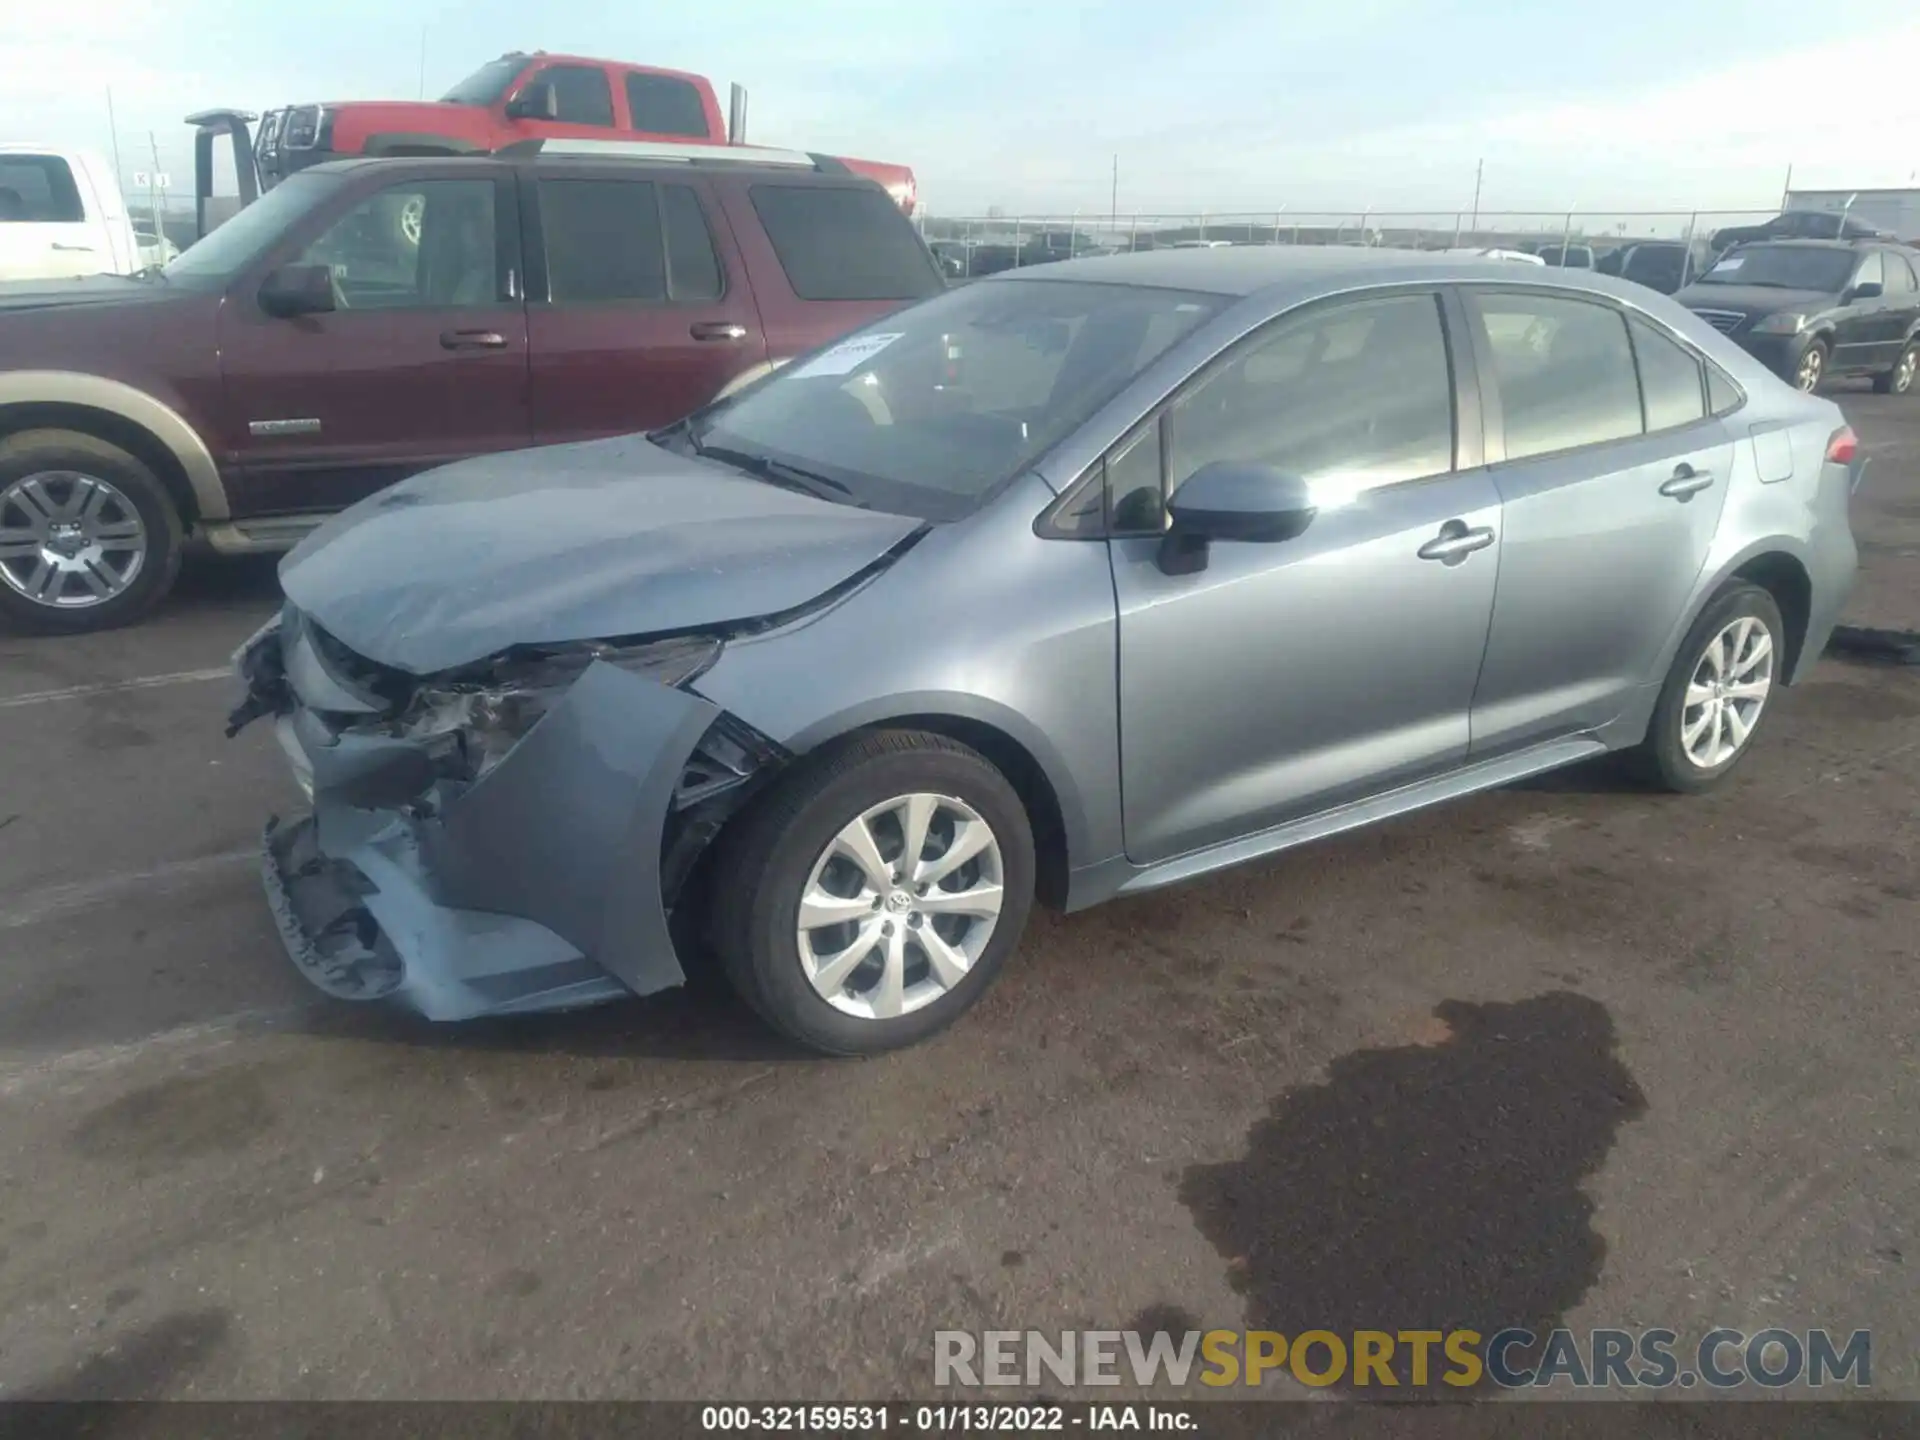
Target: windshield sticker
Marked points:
847	355
1732	262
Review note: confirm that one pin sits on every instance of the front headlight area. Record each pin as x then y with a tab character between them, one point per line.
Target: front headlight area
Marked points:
469	721
1786	322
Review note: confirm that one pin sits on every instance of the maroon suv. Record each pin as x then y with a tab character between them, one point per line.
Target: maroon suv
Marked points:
368	319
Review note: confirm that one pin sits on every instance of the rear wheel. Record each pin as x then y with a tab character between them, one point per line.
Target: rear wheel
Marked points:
1717	691
1899	380
1812	368
89	538
869	899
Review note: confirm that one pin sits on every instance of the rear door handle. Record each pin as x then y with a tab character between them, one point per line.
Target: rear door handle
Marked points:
472	340
1455	542
721	330
1686	483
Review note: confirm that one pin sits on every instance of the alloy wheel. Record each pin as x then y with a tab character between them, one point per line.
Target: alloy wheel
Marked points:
1729	687
68	540
1812	365
1903	373
900	905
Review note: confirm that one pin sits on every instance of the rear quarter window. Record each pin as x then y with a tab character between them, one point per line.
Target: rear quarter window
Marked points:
844	243
664	105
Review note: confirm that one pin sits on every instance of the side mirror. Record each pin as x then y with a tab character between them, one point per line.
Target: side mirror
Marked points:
1872	290
293	290
537	100
1232	500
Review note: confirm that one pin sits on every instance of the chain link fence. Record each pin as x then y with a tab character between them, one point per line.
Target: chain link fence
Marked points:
982	245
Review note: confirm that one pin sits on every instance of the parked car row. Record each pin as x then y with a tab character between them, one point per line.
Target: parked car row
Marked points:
368	319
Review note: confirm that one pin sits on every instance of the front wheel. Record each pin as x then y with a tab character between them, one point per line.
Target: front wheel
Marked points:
1714	696
89	538
1899	380
868	900
1812	368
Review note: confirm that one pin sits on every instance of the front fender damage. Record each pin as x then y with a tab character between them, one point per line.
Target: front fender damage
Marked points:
549	883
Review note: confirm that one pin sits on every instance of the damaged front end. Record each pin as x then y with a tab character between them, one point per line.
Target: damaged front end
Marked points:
510	836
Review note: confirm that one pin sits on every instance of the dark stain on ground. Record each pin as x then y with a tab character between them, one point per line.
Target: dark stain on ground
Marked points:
178	1118
146	1364
118	1299
1578	902
518	1283
1428	1186
1847	860
31	1232
1011	1258
1859	907
1174	1319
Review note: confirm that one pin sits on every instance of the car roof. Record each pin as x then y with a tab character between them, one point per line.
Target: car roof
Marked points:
653	165
1243	270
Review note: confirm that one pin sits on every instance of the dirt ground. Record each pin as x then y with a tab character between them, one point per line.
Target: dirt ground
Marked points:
1568	1053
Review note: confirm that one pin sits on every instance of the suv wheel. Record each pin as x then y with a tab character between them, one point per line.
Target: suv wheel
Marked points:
1899	380
1812	368
870	898
1711	704
89	538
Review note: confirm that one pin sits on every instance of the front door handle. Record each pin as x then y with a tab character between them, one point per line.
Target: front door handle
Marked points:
81	249
723	330
1686	483
1455	542
472	340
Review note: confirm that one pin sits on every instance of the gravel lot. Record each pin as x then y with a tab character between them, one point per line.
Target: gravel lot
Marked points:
1566	1053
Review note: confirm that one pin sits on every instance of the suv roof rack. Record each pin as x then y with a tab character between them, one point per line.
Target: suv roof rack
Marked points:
668	150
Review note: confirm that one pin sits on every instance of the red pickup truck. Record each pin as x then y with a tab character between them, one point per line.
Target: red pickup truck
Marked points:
527	97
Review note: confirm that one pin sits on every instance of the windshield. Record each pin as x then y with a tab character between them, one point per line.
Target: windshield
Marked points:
224	252
487	84
930	410
1784	267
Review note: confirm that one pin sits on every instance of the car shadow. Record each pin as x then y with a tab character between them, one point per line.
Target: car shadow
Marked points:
1603	775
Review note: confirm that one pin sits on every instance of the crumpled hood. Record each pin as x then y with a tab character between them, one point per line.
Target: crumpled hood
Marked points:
573	542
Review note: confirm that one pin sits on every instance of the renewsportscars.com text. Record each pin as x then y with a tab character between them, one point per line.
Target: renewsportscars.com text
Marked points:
1513	1358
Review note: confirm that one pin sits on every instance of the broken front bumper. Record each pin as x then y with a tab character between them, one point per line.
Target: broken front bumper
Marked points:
537	887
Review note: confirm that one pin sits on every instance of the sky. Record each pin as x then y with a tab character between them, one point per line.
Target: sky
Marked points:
1217	106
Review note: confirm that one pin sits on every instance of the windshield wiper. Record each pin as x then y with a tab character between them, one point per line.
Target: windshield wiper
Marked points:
778	472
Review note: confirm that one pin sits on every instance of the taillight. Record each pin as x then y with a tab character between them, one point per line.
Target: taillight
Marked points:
1843	447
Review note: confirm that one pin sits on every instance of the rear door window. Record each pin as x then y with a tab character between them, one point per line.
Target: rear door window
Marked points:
603	241
664	105
693	265
1564	368
1670	384
841	242
1900	277
38	189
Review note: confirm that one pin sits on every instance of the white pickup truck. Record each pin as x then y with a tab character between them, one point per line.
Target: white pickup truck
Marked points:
62	214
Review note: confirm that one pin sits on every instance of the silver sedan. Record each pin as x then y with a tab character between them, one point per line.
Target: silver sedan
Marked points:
1071	583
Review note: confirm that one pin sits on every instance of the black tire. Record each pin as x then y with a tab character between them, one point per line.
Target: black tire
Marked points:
1811	368
764	860
1899	380
33	451
1662	756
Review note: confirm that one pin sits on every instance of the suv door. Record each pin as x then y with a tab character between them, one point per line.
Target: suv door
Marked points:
1286	678
1903	302
1612	475
1860	332
637	315
424	360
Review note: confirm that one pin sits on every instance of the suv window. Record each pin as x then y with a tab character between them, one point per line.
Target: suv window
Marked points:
844	243
1348	398
421	244
38	189
581	93
693	266
1669	378
1564	369
609	240
663	105
1900	277
1870	272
